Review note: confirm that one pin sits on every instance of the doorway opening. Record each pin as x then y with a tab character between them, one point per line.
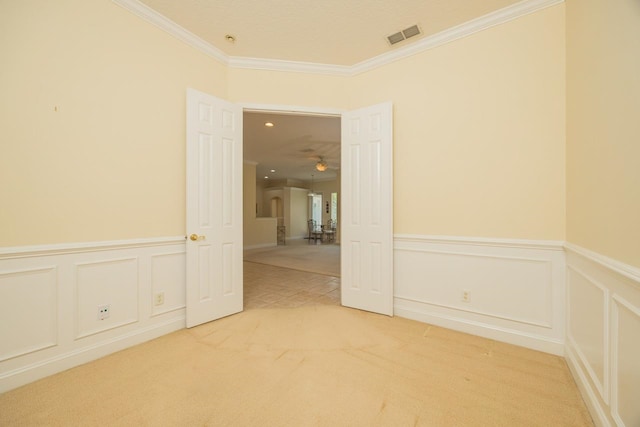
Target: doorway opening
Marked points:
215	207
281	160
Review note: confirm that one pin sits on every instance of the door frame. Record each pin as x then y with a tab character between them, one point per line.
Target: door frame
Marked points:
298	111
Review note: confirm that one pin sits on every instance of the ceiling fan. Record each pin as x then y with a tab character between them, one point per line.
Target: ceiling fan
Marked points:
322	165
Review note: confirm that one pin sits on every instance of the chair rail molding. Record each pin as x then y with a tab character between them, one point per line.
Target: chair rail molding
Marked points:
68	285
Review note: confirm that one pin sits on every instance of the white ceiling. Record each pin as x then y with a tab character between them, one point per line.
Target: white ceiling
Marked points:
334	32
338	32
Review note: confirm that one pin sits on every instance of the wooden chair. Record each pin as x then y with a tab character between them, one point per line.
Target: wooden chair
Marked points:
330	230
314	232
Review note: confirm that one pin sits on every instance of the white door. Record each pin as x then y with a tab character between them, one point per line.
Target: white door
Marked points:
214	208
367	209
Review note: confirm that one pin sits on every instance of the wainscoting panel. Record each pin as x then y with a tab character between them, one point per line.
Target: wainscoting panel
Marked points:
626	361
50	297
28	303
588	326
508	290
111	284
603	345
168	272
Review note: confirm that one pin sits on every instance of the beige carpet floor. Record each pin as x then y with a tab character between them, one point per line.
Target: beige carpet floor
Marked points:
307	366
299	255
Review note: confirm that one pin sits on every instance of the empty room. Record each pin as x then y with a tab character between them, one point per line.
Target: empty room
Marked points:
487	198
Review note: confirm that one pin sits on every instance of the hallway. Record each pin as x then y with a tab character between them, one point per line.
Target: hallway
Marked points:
267	286
292	275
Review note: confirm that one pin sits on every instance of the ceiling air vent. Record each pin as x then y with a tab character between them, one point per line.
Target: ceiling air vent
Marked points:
395	38
414	30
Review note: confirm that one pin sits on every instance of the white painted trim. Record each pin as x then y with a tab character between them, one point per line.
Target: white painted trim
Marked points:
511	336
468	28
625	270
555	245
25	374
78	335
70	248
145	12
289	66
546	325
72	345
595	409
618	302
489	20
544	334
603	387
622	284
479	312
290	109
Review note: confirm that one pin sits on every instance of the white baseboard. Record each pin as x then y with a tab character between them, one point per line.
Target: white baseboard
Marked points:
67	284
459	323
597	413
43	368
516	287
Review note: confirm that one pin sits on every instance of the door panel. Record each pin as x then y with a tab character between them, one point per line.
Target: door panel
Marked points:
214	208
367	224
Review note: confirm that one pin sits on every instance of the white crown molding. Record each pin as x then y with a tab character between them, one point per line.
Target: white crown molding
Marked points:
296	110
468	28
290	66
498	17
145	12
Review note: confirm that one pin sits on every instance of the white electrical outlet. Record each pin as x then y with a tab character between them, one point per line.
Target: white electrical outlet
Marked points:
466	295
159	298
103	311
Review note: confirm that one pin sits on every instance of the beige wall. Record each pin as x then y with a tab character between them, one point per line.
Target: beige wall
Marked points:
256	231
264	206
285	88
479	125
298	212
92	123
603	127
479	132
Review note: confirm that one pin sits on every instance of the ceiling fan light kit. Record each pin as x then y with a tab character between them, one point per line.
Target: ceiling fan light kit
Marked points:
321	166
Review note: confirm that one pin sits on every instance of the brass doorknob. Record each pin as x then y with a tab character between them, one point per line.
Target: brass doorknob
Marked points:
195	237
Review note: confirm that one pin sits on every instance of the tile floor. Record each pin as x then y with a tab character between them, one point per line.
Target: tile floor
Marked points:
278	287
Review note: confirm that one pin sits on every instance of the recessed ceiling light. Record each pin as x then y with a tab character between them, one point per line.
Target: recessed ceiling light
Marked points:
230	38
266	177
269	124
273	171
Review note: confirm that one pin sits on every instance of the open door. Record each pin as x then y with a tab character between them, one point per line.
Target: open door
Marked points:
214	208
367	209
